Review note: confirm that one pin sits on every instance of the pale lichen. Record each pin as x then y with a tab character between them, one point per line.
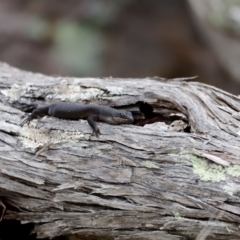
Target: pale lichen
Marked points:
149	164
14	93
234	170
33	138
209	171
206	170
177	215
73	92
231	188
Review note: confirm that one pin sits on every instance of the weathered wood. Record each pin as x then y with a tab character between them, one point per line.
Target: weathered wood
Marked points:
133	182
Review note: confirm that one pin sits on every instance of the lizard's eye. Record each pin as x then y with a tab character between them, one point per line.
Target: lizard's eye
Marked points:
122	115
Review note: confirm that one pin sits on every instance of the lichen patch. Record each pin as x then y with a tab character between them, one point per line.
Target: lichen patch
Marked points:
33	138
206	170
209	171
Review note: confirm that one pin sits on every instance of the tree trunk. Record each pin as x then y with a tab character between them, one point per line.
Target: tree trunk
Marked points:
173	174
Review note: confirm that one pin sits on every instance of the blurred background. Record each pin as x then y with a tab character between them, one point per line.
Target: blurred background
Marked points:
124	38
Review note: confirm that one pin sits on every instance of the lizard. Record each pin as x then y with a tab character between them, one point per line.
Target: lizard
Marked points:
75	111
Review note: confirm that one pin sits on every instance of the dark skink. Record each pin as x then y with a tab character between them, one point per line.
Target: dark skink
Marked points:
75	111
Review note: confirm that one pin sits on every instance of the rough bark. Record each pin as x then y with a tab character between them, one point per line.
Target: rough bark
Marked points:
134	181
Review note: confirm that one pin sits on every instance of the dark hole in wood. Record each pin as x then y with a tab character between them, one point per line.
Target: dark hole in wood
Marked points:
146	109
163	114
187	129
13	229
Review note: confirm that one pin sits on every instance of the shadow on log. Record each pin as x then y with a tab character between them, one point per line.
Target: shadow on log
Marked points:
173	174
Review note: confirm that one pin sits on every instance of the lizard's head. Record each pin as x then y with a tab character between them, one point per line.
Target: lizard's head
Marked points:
122	116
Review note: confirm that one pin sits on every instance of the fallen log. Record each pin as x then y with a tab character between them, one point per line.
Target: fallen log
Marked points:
172	174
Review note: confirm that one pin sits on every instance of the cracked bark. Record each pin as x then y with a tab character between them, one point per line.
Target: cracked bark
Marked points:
148	180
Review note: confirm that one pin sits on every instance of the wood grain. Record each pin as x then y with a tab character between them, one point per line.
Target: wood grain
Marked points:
133	182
